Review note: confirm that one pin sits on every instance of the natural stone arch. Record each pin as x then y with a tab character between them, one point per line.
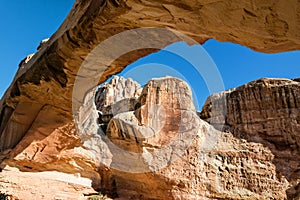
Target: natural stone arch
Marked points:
37	106
266	26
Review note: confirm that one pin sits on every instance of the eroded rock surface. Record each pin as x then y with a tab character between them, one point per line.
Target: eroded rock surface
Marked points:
187	159
162	145
117	96
164	110
48	79
44	185
37	130
264	111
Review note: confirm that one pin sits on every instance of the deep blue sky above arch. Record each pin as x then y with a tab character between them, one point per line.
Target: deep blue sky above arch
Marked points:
26	23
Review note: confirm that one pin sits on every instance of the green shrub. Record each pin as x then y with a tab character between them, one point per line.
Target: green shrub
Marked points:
3	196
99	196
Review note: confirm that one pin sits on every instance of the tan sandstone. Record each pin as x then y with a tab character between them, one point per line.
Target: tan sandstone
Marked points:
37	130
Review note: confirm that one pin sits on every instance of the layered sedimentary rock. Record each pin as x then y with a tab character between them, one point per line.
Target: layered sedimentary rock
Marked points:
37	130
163	146
117	96
269	26
264	111
61	151
164	110
44	185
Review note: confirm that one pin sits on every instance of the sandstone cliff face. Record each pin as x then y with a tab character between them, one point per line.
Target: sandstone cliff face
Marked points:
162	145
265	111
37	130
163	111
187	159
117	96
268	26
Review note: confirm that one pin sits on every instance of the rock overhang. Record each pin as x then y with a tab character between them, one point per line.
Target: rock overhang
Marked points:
42	89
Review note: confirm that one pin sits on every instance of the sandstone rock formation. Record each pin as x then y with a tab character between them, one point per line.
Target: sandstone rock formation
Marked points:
44	185
264	111
37	130
162	145
60	151
270	26
117	96
163	111
184	157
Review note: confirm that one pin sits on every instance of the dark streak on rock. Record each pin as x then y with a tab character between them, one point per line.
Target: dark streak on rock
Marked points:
250	13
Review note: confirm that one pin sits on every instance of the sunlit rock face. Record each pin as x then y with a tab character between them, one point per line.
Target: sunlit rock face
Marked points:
266	26
265	111
37	130
117	96
163	146
164	110
160	144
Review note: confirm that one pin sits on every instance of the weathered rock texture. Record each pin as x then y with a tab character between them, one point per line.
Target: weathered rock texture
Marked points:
61	150
173	152
44	185
266	111
269	26
163	146
37	130
164	109
117	96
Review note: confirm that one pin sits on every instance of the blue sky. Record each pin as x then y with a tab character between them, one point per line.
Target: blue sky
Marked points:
25	24
236	64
